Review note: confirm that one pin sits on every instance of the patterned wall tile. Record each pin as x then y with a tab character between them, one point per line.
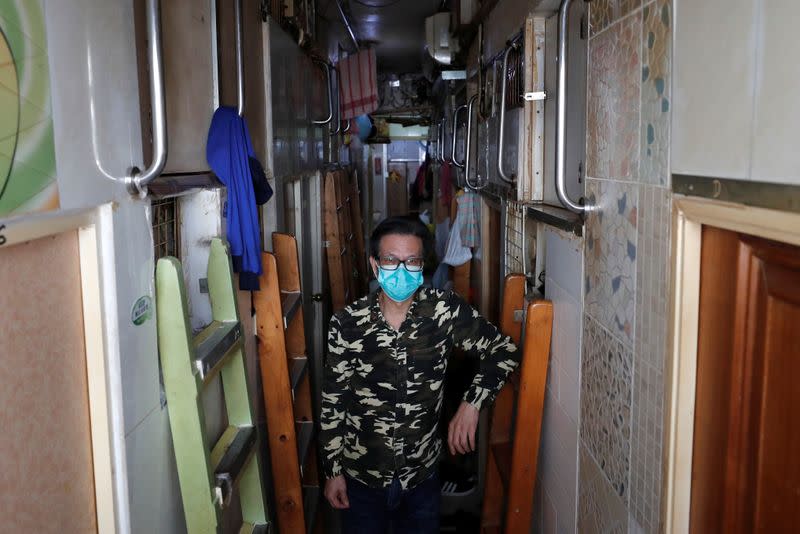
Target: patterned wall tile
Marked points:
652	322
610	255
605	425
603	13
600	509
613	109
656	103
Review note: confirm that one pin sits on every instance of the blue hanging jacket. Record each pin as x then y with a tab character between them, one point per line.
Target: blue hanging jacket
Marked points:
228	151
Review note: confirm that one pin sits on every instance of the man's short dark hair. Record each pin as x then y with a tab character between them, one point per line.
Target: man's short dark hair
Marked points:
400	226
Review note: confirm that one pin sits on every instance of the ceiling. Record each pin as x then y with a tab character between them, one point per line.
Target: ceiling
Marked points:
395	28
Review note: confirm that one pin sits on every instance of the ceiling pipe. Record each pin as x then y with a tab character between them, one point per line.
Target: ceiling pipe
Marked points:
347	24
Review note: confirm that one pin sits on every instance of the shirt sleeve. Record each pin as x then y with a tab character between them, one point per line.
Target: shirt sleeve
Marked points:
498	354
335	391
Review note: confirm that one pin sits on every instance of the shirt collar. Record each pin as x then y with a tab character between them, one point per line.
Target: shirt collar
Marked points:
375	306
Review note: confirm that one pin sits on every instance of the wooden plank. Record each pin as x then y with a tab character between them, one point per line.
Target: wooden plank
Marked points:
492	509
513	300
530	405
502	459
502	421
288	265
284	246
333	245
345	233
360	253
278	402
503	409
714	370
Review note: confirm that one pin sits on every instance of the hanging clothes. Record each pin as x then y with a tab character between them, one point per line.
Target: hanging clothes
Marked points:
228	152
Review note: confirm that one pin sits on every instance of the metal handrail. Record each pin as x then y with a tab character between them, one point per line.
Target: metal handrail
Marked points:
346	128
561	111
467	140
136	181
338	120
500	136
239	59
453	144
330	97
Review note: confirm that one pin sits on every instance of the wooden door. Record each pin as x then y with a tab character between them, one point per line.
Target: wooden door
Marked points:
746	465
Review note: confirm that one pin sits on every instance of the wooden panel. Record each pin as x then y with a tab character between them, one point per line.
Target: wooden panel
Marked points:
334	244
715	345
46	465
346	234
359	251
750	383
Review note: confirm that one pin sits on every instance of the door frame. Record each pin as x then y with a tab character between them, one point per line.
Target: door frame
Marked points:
689	214
95	234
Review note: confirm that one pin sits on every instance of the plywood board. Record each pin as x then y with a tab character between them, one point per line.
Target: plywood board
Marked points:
47	466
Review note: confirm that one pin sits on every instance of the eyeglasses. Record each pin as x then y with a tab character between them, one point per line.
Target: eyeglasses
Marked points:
390	263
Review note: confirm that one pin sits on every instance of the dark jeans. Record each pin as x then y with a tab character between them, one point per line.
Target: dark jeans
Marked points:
392	509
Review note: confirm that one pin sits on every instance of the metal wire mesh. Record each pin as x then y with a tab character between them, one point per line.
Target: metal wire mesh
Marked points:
514	238
166	237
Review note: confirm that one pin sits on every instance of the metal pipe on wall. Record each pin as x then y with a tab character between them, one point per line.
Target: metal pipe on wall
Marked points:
501	133
561	111
136	181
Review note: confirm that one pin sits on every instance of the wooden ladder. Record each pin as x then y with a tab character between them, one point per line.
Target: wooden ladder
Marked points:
208	479
285	375
516	418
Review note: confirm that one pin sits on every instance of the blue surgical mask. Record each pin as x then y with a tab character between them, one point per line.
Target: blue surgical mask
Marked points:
399	284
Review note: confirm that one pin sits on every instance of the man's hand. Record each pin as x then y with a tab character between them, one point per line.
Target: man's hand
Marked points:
461	432
336	492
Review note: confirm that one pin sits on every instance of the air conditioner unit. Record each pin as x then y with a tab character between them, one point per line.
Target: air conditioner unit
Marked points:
441	46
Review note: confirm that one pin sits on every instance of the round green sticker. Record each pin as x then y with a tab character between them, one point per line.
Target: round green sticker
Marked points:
142	310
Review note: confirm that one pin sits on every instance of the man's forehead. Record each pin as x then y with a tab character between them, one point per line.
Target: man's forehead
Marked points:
400	242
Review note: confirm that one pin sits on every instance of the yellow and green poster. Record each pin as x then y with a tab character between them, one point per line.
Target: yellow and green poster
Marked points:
27	153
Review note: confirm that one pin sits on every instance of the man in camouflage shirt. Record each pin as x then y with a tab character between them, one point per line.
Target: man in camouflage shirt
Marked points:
383	385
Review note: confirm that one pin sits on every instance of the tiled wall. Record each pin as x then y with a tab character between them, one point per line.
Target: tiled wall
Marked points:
626	262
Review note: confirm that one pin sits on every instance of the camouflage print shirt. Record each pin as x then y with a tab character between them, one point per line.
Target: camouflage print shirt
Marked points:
382	388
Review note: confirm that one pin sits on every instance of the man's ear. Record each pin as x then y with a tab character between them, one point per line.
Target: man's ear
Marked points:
374	265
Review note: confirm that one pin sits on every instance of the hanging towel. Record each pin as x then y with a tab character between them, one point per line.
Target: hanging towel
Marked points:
358	84
469	206
228	152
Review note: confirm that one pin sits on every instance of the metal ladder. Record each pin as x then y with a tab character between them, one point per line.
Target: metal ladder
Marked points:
209	478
